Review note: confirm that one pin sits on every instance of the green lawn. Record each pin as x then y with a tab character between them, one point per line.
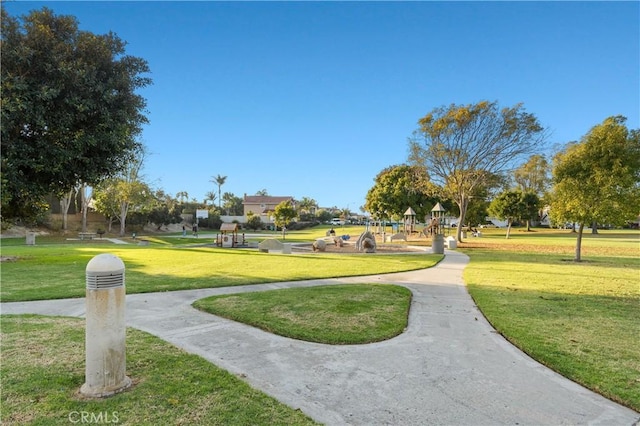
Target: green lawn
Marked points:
336	314
580	319
43	368
53	271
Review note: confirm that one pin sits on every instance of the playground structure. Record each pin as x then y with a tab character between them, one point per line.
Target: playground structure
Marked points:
366	242
229	237
409	221
436	228
433	227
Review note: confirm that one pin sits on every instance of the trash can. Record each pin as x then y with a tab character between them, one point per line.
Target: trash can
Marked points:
31	238
437	244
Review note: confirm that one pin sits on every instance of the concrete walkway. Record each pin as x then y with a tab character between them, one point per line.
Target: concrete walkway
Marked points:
449	367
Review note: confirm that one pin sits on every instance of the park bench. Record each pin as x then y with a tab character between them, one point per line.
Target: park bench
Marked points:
87	235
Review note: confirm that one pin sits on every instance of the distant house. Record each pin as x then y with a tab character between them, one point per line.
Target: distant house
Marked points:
262	205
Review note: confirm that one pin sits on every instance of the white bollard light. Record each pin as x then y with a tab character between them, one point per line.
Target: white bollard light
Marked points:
105	327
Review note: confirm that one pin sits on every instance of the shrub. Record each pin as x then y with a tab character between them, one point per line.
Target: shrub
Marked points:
254	223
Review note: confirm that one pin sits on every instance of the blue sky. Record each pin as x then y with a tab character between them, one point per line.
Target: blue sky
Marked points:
314	99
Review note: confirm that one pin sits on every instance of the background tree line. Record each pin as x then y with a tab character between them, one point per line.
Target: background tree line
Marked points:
480	160
72	118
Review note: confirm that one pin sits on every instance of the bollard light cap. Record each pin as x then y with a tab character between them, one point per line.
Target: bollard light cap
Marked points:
105	263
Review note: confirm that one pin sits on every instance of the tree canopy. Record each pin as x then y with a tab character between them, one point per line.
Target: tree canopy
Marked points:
283	214
598	179
534	175
397	188
463	146
70	112
514	205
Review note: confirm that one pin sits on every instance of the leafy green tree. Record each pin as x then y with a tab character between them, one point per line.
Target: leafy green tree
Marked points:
69	109
164	210
462	146
507	206
531	207
232	204
514	205
534	175
324	215
307	208
397	188
284	213
598	179
253	221
117	196
534	178
477	211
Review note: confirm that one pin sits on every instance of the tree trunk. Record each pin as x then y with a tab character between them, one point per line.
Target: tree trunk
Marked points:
462	204
528	225
124	207
578	257
85	205
508	228
594	227
65	202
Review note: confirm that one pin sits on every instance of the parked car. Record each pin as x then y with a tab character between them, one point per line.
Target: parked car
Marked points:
488	225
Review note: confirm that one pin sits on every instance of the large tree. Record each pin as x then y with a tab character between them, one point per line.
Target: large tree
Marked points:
219	180
307	208
534	175
534	179
598	179
462	146
118	196
70	112
232	204
514	205
283	214
397	188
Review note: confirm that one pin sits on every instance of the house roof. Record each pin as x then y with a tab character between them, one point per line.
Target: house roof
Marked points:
264	199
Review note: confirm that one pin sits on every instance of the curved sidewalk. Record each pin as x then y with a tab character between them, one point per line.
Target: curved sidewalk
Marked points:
449	367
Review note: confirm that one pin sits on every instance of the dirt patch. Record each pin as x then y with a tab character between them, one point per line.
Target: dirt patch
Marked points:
21	231
568	250
8	258
349	247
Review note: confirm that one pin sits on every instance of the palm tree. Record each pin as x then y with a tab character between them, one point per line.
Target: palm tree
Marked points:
219	180
210	196
307	206
182	195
